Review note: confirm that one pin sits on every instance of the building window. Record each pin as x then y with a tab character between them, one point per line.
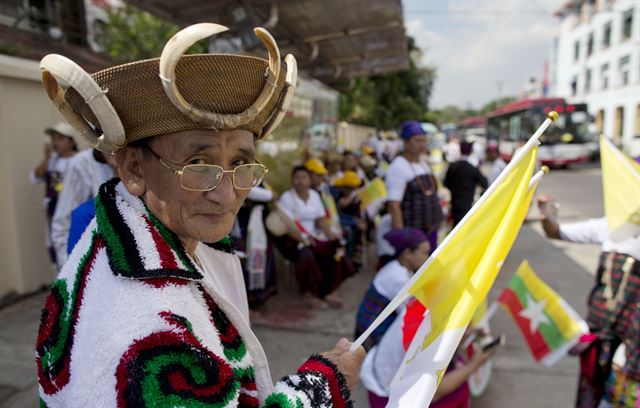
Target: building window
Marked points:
576	51
627	23
618	124
604	74
606	35
587	81
574	86
590	45
623	69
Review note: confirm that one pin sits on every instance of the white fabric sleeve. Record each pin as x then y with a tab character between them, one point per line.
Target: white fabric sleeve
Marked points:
396	184
286	203
383	361
593	231
75	191
260	194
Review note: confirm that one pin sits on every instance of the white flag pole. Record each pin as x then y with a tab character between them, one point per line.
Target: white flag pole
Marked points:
537	177
491	310
404	292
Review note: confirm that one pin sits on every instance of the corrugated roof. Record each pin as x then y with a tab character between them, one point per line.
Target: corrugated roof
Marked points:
331	39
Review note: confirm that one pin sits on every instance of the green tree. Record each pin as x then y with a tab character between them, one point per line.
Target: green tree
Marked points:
132	35
384	101
495	104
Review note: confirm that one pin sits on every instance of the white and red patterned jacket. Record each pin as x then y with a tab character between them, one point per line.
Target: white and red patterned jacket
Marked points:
130	322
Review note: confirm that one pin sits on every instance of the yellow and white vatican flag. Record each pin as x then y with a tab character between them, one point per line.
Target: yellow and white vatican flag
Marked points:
458	275
457	280
621	188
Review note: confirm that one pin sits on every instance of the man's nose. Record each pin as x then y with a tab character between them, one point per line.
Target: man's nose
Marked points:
225	193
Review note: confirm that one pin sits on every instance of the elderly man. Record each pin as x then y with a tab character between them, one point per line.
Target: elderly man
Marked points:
143	314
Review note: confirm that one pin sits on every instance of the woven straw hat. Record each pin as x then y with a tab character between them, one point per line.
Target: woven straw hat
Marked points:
173	93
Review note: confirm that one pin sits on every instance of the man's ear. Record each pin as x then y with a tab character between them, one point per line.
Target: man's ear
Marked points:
130	171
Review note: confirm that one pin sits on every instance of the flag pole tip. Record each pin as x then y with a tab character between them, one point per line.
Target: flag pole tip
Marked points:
553	115
545	169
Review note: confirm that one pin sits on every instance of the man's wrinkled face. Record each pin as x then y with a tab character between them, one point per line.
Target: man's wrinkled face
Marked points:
205	216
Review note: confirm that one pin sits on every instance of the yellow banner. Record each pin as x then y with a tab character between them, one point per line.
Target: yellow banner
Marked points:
621	188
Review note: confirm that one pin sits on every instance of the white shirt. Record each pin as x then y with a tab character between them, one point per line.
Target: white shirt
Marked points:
452	151
55	163
383	361
223	273
400	172
391	278
81	182
383	247
260	194
306	212
596	231
496	168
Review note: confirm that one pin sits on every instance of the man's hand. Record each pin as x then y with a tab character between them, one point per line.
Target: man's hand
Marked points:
548	207
348	362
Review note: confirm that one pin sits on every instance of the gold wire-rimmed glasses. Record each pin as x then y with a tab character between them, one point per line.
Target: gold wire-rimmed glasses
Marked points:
206	177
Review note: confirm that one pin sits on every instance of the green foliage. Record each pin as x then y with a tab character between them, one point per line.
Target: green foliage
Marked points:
495	104
132	35
384	101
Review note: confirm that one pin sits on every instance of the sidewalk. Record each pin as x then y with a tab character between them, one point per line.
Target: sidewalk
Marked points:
290	332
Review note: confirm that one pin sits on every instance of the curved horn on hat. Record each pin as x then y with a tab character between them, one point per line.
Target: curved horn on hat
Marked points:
60	73
286	97
184	39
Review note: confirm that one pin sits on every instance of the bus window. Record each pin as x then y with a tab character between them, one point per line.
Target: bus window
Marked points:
514	128
579	126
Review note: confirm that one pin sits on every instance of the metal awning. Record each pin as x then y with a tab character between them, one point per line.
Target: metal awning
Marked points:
331	39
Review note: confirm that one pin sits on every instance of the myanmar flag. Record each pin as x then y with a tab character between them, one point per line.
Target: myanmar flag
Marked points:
620	182
549	325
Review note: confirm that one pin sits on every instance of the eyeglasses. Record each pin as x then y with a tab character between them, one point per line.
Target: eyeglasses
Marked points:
206	177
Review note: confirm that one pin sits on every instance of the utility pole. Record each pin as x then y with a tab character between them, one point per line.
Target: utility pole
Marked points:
499	84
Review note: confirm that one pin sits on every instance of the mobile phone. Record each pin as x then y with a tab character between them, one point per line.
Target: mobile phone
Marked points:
497	341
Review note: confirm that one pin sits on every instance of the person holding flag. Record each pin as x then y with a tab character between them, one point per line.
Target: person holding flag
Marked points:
312	245
613	313
383	360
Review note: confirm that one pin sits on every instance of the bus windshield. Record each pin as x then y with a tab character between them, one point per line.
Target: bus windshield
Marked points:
571	127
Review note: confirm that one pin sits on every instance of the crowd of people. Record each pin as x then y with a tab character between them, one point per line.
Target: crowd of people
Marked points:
318	224
167	233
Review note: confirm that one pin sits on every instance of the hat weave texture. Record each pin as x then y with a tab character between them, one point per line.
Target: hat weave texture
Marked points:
225	84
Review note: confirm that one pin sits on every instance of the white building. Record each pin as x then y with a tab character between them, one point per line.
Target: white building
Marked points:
597	61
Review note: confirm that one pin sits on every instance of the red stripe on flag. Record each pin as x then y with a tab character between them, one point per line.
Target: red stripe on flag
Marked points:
536	342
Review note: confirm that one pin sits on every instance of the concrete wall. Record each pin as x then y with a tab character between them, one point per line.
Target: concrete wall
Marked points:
25	111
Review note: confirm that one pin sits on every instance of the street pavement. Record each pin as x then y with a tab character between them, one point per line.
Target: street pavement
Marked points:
289	331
